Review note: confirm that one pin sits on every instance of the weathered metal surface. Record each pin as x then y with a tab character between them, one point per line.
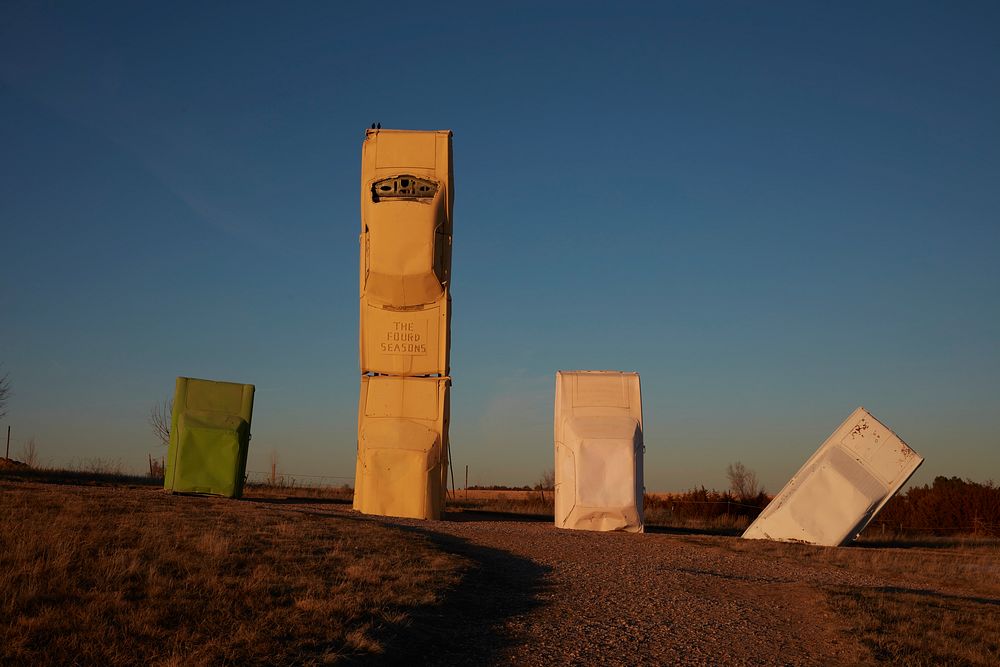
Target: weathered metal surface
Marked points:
209	437
841	488
402	446
598	450
405	268
405	252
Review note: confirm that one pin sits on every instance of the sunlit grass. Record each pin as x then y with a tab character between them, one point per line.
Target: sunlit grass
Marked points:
940	604
113	575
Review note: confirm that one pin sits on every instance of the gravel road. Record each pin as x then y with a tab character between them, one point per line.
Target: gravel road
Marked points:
537	595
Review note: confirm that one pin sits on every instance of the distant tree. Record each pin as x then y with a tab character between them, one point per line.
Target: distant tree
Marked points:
743	482
155	467
273	479
159	420
4	394
29	453
547	481
950	504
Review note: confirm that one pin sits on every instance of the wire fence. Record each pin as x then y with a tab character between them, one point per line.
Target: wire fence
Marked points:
728	503
275	478
973	528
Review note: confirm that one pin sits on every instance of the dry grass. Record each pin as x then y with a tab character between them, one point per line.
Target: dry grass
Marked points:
938	604
500	494
541	504
113	575
723	524
918	627
79	475
529	503
948	611
94	572
338	494
964	563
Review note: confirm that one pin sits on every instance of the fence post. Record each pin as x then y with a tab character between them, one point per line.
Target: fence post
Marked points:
451	465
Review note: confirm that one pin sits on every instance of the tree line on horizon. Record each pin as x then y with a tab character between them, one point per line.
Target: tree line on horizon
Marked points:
947	506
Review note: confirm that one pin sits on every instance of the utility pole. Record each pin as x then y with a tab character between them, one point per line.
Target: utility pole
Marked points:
466	481
8	441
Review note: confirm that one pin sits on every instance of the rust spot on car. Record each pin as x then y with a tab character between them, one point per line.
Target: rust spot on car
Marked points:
859	428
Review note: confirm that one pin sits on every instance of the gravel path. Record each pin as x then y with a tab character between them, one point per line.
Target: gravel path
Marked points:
537	595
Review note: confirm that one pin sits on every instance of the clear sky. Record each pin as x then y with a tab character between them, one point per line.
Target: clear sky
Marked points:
773	212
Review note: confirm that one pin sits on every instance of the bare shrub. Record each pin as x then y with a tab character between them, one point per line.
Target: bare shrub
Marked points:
160	416
4	394
702	509
29	453
743	482
100	466
273	479
156	467
547	482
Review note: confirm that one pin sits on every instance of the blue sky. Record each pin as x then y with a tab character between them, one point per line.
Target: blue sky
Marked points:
774	212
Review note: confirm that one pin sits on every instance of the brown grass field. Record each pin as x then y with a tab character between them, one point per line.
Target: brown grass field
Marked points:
947	613
126	575
95	570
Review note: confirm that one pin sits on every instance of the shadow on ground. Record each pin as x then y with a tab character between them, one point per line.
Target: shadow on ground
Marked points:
467	626
675	530
465	515
295	500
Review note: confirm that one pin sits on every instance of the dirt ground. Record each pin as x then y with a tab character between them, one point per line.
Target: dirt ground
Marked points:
526	593
536	595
